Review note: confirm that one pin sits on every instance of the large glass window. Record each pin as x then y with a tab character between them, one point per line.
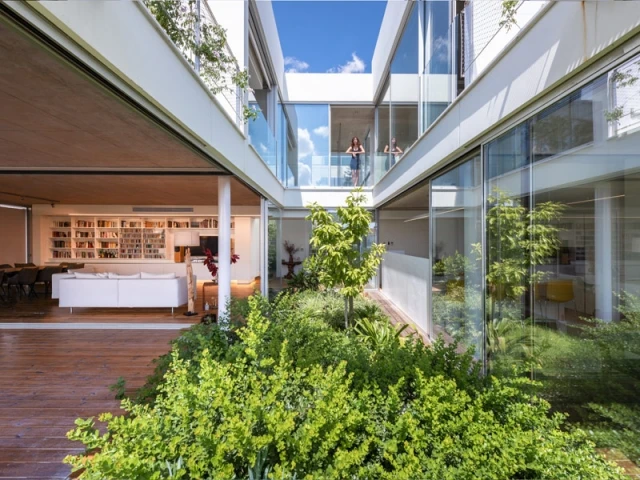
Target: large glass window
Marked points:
563	255
437	82
308	153
348	122
456	210
384	158
404	90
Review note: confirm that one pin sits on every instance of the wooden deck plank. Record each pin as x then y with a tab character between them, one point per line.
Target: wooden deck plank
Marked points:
51	378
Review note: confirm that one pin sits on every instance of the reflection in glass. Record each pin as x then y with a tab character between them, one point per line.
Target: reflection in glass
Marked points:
404	91
563	256
274	241
308	149
383	160
262	139
438	80
456	208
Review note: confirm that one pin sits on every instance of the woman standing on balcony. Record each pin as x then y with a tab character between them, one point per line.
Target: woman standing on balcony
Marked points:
355	149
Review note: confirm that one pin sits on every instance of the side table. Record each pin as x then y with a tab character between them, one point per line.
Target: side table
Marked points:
204	291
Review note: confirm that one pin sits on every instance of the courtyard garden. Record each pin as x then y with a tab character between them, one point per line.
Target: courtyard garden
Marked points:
316	383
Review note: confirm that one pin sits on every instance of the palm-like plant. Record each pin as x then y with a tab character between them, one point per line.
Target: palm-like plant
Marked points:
378	333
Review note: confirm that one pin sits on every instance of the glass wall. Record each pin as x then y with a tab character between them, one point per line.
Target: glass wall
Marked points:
456	216
274	242
308	153
262	138
348	122
421	81
563	255
437	81
384	158
404	90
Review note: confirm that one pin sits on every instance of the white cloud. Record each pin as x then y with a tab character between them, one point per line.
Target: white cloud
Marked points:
441	49
304	174
293	65
322	131
305	144
355	65
263	147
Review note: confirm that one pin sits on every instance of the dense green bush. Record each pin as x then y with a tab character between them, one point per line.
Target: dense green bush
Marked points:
294	398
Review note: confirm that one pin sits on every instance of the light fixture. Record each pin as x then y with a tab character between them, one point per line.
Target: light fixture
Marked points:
595	200
188	239
417	217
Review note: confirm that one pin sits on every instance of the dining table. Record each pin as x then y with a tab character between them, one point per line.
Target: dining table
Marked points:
10	272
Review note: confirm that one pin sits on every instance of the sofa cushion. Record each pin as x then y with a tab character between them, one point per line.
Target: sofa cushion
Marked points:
115	275
157	275
85	275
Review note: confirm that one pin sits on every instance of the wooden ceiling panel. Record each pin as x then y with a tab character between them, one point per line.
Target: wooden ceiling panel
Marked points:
119	190
51	116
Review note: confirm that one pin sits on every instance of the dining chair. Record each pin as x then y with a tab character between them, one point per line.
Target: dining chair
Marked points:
3	296
45	276
25	281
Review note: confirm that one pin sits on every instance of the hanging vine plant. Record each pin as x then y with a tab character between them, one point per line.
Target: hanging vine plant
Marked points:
217	67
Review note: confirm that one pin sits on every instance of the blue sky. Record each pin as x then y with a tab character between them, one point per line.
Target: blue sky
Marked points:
322	36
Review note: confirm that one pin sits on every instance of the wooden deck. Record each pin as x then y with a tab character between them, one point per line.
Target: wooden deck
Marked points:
57	366
49	378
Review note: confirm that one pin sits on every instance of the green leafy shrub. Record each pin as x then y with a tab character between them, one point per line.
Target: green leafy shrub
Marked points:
119	388
616	426
187	346
378	333
294	398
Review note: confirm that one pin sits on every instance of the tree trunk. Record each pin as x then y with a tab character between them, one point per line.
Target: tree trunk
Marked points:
346	312
350	307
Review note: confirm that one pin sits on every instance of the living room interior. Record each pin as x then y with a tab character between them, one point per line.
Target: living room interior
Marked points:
91	179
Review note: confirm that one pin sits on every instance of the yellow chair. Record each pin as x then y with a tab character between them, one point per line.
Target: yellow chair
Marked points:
560	291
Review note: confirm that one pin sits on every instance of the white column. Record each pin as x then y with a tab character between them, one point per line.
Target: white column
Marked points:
604	249
264	247
224	243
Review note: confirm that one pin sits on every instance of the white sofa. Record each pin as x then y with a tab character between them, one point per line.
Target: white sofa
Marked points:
123	292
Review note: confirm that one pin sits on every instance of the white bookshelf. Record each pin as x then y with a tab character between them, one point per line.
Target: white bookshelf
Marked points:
126	238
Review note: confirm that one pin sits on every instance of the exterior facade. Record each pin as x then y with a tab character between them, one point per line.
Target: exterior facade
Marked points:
501	162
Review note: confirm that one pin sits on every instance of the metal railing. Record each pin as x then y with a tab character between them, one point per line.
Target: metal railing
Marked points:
230	97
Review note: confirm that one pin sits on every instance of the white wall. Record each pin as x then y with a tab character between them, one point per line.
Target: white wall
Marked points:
231	15
329	87
410	238
406	281
485	39
534	65
302	197
298	232
13	235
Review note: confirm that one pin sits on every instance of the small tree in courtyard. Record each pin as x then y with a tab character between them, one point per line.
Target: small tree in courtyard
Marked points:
340	259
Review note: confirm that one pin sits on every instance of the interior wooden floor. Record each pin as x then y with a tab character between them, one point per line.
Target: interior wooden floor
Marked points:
44	309
50	378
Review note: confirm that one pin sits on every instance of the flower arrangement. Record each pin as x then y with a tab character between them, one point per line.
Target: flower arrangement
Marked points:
212	264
